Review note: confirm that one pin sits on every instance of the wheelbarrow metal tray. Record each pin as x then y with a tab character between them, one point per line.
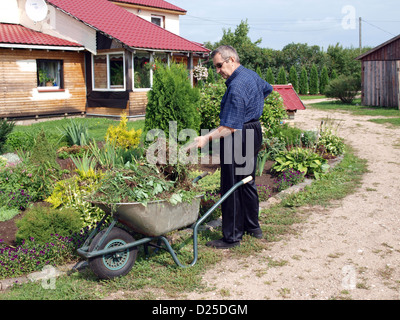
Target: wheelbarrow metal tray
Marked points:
157	218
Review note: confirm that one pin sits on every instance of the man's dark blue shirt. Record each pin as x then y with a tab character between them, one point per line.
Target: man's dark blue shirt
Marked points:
244	98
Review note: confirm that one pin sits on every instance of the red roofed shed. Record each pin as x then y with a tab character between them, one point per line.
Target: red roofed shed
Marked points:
290	98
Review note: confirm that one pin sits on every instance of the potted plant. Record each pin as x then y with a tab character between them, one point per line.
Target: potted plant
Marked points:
44	79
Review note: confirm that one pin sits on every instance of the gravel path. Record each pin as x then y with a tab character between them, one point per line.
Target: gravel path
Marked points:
350	250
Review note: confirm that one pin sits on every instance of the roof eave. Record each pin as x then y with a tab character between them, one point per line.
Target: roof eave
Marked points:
360	57
40	47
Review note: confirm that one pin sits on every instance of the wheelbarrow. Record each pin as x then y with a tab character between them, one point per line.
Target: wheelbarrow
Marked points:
112	252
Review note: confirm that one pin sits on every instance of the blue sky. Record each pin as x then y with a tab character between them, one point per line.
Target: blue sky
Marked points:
278	23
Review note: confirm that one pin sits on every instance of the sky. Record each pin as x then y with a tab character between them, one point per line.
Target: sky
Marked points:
280	22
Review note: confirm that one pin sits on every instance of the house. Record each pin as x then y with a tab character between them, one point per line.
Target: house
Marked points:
291	100
380	75
89	57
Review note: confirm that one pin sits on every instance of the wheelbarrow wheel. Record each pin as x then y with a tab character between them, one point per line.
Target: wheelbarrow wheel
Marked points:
113	264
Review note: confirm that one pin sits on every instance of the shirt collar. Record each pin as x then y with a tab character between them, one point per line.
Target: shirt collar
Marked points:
234	75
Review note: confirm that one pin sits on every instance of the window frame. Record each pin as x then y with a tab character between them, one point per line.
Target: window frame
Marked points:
161	18
60	71
109	86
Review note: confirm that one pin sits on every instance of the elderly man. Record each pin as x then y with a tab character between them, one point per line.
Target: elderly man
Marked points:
240	140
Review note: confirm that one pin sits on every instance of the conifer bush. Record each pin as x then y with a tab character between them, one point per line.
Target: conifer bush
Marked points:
172	98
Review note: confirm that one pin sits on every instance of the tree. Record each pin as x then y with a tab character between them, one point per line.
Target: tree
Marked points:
344	88
250	54
259	72
172	98
294	79
282	76
314	80
303	85
270	76
324	80
211	75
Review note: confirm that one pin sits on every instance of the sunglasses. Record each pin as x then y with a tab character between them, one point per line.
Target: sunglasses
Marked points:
219	65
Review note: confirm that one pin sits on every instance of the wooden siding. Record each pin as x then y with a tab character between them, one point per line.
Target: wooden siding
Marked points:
138	103
387	51
19	96
381	83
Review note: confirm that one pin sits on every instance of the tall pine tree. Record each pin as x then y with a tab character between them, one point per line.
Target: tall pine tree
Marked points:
303	85
294	79
324	80
282	76
314	80
270	76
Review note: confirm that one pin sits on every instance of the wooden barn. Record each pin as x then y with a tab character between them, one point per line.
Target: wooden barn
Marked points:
88	57
380	82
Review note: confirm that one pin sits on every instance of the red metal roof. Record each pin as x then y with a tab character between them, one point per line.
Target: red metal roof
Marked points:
124	26
17	34
153	4
290	98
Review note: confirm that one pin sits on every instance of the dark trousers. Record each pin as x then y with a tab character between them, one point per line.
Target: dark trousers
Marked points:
238	157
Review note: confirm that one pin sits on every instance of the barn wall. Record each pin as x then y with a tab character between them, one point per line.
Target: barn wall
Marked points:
380	83
19	95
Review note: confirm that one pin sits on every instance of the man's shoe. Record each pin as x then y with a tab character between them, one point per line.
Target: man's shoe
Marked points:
256	233
222	244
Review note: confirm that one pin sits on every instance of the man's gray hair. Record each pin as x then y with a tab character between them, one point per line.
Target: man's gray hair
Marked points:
226	52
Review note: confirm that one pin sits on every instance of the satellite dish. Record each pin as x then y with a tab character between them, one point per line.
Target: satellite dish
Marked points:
36	10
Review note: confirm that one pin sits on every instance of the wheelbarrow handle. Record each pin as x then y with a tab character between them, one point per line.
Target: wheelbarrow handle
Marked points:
247	179
200	177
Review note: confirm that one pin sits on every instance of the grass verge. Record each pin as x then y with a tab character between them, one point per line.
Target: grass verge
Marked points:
159	277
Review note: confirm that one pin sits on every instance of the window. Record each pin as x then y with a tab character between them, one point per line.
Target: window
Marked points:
141	66
158	20
108	71
49	74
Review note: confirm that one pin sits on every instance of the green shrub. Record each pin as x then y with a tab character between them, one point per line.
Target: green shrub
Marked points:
5	129
344	88
309	139
330	143
210	183
273	114
41	223
210	104
18	140
71	193
120	136
303	160
172	98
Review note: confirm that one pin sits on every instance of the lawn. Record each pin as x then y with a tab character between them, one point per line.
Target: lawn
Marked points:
97	126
